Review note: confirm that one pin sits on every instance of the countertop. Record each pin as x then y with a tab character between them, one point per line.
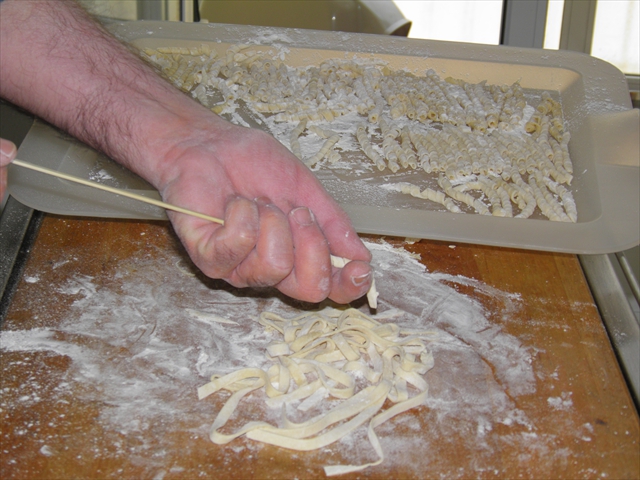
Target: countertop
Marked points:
101	362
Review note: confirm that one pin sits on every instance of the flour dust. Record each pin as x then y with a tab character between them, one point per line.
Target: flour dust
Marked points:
143	340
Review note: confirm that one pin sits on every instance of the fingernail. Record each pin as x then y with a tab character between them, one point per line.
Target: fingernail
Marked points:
263	201
303	216
361	279
7	149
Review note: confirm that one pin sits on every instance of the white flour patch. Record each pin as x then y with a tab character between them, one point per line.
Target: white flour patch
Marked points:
100	176
47	451
137	347
563	402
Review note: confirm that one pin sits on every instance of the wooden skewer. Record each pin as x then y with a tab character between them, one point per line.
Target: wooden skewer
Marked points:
335	261
116	191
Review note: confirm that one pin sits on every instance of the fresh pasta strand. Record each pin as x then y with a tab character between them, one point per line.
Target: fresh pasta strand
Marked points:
390	359
293	139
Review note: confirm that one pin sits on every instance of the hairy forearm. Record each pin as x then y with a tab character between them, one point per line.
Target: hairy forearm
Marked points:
64	67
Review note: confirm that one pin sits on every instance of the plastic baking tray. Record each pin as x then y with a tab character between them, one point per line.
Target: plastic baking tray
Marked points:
604	141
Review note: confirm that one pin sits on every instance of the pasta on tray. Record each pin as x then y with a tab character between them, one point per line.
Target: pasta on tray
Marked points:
487	148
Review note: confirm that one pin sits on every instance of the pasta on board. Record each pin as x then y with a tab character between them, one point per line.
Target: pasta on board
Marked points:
325	352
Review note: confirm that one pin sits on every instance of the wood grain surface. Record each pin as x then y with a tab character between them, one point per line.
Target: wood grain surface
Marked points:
62	418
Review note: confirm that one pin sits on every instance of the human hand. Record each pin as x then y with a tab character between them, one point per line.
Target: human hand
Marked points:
280	224
8	152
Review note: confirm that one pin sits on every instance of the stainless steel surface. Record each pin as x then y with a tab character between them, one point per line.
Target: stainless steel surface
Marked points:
13	226
15	218
612	295
18	228
14	126
630	264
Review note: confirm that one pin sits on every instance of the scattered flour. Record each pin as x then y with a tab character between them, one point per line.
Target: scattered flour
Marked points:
100	176
141	343
563	402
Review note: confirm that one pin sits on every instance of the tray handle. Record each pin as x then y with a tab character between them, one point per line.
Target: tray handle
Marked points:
616	138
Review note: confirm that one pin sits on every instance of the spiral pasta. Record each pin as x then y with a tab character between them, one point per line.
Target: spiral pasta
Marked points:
474	135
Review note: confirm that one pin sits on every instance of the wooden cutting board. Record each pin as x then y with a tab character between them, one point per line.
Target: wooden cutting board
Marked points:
100	366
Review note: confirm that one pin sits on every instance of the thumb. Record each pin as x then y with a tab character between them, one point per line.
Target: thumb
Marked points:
8	152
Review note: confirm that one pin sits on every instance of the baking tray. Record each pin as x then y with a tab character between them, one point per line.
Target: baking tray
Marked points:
604	141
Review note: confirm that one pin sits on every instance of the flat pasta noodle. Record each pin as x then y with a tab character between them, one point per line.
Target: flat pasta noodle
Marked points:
324	350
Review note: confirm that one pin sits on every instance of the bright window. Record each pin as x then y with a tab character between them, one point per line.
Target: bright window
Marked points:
473	21
553	26
616	36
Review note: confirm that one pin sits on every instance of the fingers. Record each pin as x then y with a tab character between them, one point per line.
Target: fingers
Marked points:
351	282
272	258
253	248
354	279
261	246
8	152
312	278
227	246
